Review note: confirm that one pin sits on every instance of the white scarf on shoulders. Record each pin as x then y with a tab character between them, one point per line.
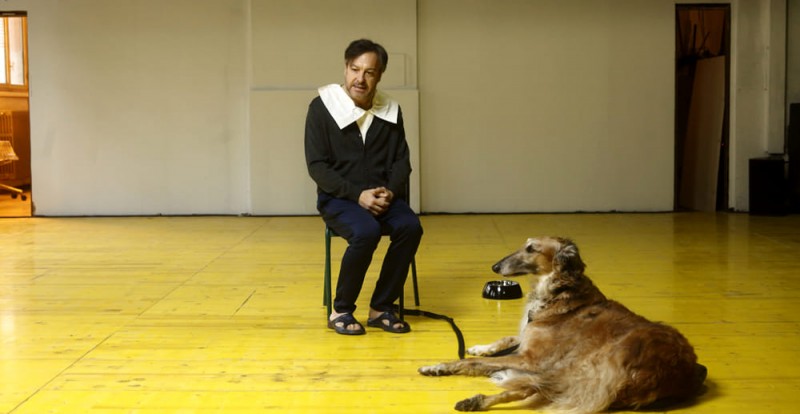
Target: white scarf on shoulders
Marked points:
344	111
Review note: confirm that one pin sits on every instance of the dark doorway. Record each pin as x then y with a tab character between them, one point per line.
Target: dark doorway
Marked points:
702	84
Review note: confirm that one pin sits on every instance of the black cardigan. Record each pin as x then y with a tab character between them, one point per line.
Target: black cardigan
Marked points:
343	165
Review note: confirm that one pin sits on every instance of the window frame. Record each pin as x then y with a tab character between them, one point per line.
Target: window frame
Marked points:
7	86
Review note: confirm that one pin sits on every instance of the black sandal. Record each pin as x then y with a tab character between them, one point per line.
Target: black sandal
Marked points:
346	319
387	322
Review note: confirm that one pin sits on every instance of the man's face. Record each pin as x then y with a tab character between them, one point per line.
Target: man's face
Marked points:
361	77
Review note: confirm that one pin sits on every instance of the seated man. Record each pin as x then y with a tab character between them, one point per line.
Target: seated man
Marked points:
357	154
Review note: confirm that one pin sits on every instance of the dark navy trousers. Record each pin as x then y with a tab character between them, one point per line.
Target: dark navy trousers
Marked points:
363	232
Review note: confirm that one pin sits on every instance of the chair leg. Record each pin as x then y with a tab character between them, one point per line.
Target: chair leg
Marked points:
416	289
401	307
326	293
14	191
414	279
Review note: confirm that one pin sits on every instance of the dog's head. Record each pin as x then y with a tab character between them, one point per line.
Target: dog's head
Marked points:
540	256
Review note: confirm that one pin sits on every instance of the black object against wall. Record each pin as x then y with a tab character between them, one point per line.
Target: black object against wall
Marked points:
793	152
768	195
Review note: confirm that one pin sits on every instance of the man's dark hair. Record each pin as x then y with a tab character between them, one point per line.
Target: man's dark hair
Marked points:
361	46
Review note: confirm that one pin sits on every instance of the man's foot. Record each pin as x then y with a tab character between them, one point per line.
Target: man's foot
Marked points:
345	324
387	321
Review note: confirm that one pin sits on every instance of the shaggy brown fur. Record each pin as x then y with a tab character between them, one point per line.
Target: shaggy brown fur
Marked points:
578	351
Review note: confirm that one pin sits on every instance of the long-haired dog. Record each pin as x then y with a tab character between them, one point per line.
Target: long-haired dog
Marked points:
578	351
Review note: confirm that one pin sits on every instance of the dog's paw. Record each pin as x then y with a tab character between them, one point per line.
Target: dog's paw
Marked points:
437	370
482	350
471	404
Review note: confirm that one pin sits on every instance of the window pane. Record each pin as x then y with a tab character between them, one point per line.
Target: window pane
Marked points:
16	50
3	54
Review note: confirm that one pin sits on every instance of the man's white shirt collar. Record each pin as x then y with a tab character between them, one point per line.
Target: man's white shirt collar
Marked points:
344	111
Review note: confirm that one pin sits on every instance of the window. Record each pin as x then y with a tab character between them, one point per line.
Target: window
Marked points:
14	53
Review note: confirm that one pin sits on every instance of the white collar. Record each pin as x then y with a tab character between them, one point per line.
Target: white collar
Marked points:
345	112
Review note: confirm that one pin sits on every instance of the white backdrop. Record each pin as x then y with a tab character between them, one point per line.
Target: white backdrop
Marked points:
196	106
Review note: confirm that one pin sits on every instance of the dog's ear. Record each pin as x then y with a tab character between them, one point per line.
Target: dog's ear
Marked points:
568	259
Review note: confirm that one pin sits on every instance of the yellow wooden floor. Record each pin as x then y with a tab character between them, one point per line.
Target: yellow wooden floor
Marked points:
224	314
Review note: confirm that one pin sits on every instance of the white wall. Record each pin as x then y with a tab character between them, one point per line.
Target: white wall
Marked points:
294	51
137	107
793	53
547	105
197	106
754	130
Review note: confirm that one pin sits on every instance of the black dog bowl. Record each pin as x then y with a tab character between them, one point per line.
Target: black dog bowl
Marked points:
502	289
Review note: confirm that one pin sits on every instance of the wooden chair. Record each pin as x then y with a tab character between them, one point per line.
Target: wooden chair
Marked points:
7	156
